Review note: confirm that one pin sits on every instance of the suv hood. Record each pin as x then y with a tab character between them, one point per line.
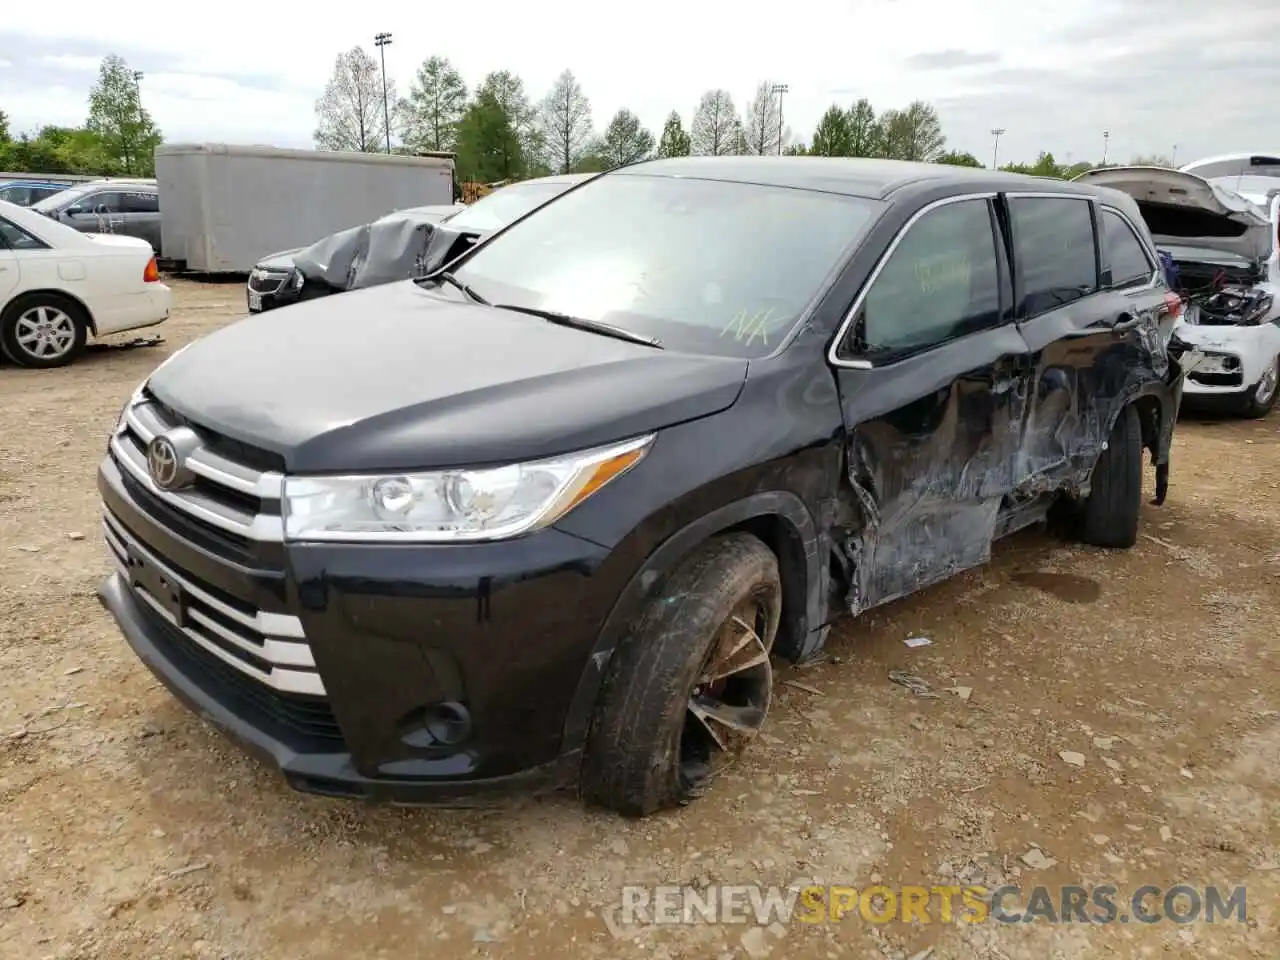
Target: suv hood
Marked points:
279	262
396	378
1186	210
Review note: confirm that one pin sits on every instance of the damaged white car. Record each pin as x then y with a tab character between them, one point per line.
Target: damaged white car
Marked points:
1220	249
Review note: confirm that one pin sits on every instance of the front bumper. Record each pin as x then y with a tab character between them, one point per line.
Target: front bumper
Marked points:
503	630
269	290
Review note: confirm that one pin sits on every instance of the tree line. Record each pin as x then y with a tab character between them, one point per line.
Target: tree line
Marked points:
499	132
118	138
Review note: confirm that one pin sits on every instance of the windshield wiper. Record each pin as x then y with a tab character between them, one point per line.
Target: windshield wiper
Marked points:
582	323
449	278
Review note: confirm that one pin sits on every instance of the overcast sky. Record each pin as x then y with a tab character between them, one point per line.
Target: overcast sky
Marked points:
1202	75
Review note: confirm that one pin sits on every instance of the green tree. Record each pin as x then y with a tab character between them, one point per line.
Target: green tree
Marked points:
117	118
350	113
566	122
4	127
1045	166
435	105
490	148
958	158
1153	160
508	91
912	134
834	134
796	150
866	138
675	141
715	125
625	141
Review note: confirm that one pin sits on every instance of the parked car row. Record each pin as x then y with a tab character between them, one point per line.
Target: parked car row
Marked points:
547	514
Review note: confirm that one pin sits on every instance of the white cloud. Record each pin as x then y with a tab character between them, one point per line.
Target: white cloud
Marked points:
72	62
246	76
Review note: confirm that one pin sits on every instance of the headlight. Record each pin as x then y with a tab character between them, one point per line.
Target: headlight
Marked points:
452	505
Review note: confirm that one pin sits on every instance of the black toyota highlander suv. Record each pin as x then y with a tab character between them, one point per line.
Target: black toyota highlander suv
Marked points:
549	517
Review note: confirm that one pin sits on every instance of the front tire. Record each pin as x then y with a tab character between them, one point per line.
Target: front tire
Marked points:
1262	397
690	685
43	330
1109	515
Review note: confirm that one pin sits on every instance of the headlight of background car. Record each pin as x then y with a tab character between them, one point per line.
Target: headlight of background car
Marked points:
452	505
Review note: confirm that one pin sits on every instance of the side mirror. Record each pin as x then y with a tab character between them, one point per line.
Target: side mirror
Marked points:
74	210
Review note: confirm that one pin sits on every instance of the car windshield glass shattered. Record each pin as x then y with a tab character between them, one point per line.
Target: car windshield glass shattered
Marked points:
504	206
704	266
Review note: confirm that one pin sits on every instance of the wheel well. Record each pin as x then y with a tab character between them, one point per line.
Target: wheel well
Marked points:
785	541
1149	417
81	311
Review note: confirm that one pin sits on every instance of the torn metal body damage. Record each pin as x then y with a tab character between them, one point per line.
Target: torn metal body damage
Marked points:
933	482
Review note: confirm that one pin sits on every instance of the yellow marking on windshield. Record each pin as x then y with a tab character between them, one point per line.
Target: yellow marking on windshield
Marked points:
745	326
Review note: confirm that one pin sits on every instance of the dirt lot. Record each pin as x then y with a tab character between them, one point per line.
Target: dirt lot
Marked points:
129	829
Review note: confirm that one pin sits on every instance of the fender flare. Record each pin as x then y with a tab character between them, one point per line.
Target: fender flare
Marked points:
780	504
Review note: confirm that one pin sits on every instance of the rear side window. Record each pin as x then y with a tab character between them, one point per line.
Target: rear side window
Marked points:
22	196
100	203
1054	247
940	282
1125	253
140	203
13	237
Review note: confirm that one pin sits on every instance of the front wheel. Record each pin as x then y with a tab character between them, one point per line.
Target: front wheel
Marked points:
690	685
1262	397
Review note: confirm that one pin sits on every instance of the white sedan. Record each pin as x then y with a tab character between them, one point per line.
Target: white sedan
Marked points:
58	287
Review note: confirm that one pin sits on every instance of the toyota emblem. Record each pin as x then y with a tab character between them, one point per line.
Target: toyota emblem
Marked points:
167	455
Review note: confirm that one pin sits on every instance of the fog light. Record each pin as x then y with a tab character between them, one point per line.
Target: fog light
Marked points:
439	725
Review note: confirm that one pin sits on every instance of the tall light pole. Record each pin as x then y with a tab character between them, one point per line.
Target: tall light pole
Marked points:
1106	139
381	41
1174	161
780	89
996	132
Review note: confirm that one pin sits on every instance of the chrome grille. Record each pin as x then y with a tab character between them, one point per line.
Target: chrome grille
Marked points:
231	496
270	647
262	281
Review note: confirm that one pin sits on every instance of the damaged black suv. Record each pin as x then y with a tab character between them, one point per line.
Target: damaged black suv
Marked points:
548	516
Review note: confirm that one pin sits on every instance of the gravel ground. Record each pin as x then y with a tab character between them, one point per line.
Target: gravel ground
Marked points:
129	829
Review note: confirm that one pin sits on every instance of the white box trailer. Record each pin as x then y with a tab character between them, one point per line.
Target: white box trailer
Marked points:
223	207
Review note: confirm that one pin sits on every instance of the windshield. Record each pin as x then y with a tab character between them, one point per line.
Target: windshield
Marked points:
504	206
59	200
703	265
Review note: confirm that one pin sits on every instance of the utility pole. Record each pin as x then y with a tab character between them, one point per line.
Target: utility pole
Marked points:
1106	140
1174	161
780	89
381	41
996	133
